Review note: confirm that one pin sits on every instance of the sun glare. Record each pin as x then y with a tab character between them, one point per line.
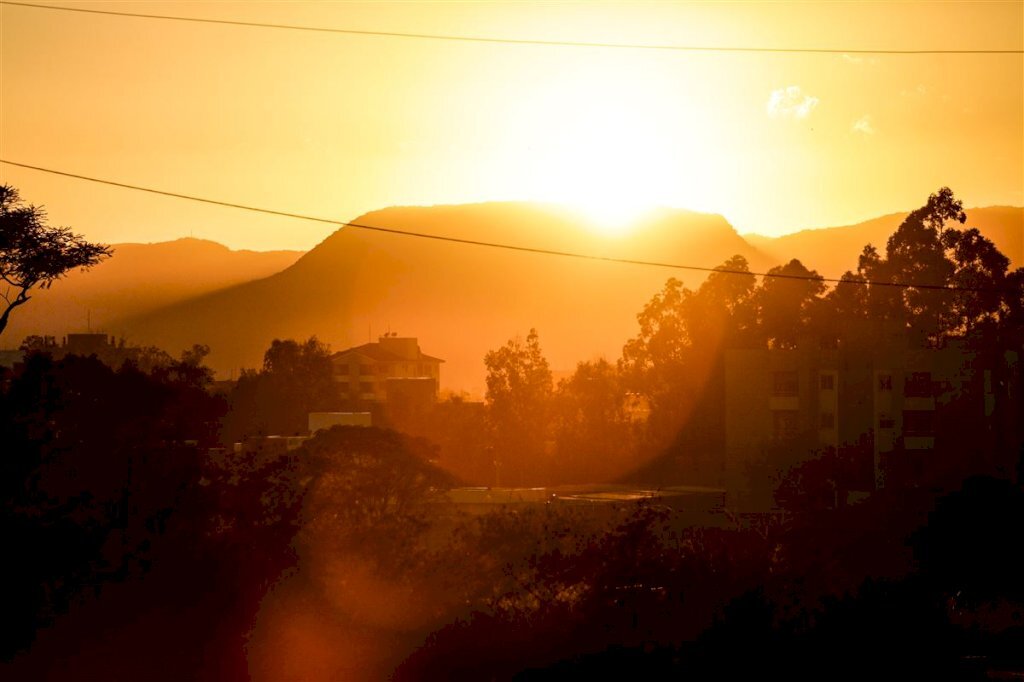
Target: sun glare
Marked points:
603	146
608	168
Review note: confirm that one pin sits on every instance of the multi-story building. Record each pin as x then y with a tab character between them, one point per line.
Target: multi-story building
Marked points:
392	371
884	403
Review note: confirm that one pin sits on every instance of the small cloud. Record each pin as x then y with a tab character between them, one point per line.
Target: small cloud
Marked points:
790	102
863	125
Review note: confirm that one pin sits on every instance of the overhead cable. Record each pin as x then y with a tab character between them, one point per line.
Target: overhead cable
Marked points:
519	41
494	245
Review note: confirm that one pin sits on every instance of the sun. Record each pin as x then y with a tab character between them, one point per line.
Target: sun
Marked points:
611	169
605	149
609	175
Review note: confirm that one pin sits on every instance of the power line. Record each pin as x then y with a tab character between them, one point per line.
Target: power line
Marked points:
493	245
507	41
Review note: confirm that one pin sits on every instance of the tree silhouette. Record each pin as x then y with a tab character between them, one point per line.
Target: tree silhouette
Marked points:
593	433
296	379
33	253
95	471
787	301
971	547
519	389
984	298
365	491
677	355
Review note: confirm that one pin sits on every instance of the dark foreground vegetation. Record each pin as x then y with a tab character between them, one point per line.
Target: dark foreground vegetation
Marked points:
138	547
133	556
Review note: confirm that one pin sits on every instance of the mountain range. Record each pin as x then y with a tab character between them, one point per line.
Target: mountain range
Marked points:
136	279
459	299
834	250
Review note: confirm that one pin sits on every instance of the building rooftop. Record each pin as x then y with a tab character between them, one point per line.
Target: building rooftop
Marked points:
380	352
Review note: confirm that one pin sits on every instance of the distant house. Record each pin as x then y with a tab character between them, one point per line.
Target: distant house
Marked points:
393	371
107	349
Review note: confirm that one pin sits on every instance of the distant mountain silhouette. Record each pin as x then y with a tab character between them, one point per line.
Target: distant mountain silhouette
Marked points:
460	300
139	278
834	250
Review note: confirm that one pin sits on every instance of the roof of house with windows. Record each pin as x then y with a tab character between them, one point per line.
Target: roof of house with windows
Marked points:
390	349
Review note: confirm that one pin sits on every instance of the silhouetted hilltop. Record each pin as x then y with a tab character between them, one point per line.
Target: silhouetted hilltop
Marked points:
834	250
139	278
460	300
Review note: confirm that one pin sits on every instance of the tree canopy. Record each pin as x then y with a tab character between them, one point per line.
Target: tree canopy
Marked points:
296	379
519	389
34	254
969	290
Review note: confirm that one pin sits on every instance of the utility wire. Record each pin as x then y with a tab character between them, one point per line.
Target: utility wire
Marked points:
495	245
507	41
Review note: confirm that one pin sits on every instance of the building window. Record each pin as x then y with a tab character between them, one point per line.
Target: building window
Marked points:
886	422
918	385
827	420
918	423
884	382
365	370
827	382
784	424
784	385
365	387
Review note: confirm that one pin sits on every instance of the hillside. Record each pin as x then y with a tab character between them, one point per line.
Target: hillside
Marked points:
834	250
136	279
460	300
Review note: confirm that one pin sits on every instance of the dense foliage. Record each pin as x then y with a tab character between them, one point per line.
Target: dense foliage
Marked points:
140	548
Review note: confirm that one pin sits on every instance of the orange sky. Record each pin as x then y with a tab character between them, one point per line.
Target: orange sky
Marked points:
335	125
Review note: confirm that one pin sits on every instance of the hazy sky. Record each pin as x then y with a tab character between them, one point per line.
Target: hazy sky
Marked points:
335	125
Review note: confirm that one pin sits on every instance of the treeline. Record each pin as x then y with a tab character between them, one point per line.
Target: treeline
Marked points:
140	553
97	465
902	586
657	413
137	552
659	410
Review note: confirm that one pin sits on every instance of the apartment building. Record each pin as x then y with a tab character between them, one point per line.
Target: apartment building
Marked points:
883	403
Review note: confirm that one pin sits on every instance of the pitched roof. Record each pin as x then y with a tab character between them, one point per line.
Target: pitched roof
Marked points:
375	351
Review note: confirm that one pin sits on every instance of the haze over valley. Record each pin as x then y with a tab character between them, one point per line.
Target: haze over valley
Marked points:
357	284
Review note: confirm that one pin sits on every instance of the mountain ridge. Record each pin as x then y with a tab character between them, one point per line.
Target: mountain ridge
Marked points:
139	277
356	281
1004	225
